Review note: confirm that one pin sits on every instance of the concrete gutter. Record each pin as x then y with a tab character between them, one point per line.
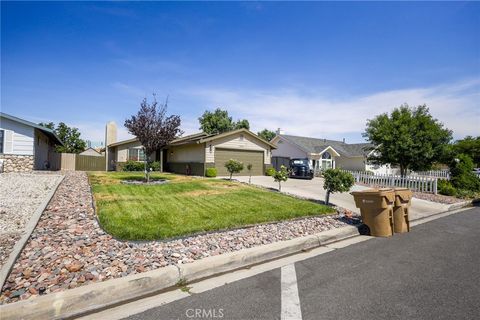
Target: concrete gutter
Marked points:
462	204
27	232
102	295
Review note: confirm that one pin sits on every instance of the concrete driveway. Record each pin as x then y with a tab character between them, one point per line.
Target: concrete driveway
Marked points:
314	189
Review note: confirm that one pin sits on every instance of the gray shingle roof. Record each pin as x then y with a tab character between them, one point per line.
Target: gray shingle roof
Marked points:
315	145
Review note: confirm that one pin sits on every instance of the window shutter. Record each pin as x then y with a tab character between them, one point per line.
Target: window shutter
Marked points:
8	146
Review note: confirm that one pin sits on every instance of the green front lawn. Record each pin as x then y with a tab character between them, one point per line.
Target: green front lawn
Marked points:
187	205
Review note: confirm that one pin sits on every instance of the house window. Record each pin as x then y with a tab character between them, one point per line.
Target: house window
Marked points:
326	160
2	135
136	154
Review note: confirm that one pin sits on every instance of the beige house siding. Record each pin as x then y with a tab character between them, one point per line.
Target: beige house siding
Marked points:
122	150
355	163
186	153
238	141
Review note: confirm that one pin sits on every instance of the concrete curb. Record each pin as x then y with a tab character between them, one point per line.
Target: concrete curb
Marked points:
462	204
32	223
98	296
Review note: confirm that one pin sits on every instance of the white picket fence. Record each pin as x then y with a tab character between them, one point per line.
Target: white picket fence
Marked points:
441	174
415	183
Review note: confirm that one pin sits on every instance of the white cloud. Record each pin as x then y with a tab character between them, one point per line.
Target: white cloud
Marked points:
318	115
299	113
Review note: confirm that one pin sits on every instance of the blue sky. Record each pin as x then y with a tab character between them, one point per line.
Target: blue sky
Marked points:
317	69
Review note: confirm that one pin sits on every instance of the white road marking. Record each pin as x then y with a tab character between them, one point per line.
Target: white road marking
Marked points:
290	300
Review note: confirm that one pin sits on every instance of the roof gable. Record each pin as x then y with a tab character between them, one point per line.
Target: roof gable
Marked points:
201	137
233	132
49	132
315	145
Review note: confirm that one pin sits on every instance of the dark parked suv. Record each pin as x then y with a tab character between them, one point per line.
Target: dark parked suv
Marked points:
300	168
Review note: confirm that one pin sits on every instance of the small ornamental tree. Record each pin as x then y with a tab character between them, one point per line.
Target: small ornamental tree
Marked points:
336	180
280	175
153	128
233	166
249	168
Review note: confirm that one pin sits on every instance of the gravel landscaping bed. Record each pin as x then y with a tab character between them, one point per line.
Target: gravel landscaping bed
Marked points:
21	194
437	198
69	249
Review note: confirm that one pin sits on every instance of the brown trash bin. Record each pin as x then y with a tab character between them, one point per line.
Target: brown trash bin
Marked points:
376	208
401	221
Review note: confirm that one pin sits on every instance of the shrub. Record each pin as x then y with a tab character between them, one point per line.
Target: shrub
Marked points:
336	180
280	175
211	172
233	166
270	172
461	172
446	188
155	165
466	194
133	166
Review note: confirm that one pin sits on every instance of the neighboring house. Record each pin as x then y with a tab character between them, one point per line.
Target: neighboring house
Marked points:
324	154
27	146
91	152
194	153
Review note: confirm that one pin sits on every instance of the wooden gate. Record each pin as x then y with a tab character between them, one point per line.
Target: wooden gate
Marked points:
89	163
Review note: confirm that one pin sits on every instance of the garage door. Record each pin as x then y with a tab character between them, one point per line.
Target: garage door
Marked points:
244	156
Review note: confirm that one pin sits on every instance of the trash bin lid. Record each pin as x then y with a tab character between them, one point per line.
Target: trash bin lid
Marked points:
382	192
404	193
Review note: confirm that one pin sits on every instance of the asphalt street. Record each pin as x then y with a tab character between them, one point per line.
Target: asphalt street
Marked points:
433	272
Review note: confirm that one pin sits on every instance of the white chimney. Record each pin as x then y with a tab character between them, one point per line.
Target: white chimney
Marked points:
280	131
110	137
110	133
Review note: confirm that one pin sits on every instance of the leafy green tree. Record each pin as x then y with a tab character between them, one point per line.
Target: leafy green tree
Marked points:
469	146
280	175
336	180
408	137
242	124
266	134
153	128
461	173
72	143
219	121
233	166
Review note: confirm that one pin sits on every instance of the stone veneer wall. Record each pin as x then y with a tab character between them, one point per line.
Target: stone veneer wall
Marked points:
17	163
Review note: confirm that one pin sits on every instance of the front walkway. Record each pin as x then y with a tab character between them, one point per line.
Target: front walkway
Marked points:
314	189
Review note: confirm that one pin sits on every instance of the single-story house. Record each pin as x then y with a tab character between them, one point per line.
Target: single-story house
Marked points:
91	152
27	146
193	154
323	154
